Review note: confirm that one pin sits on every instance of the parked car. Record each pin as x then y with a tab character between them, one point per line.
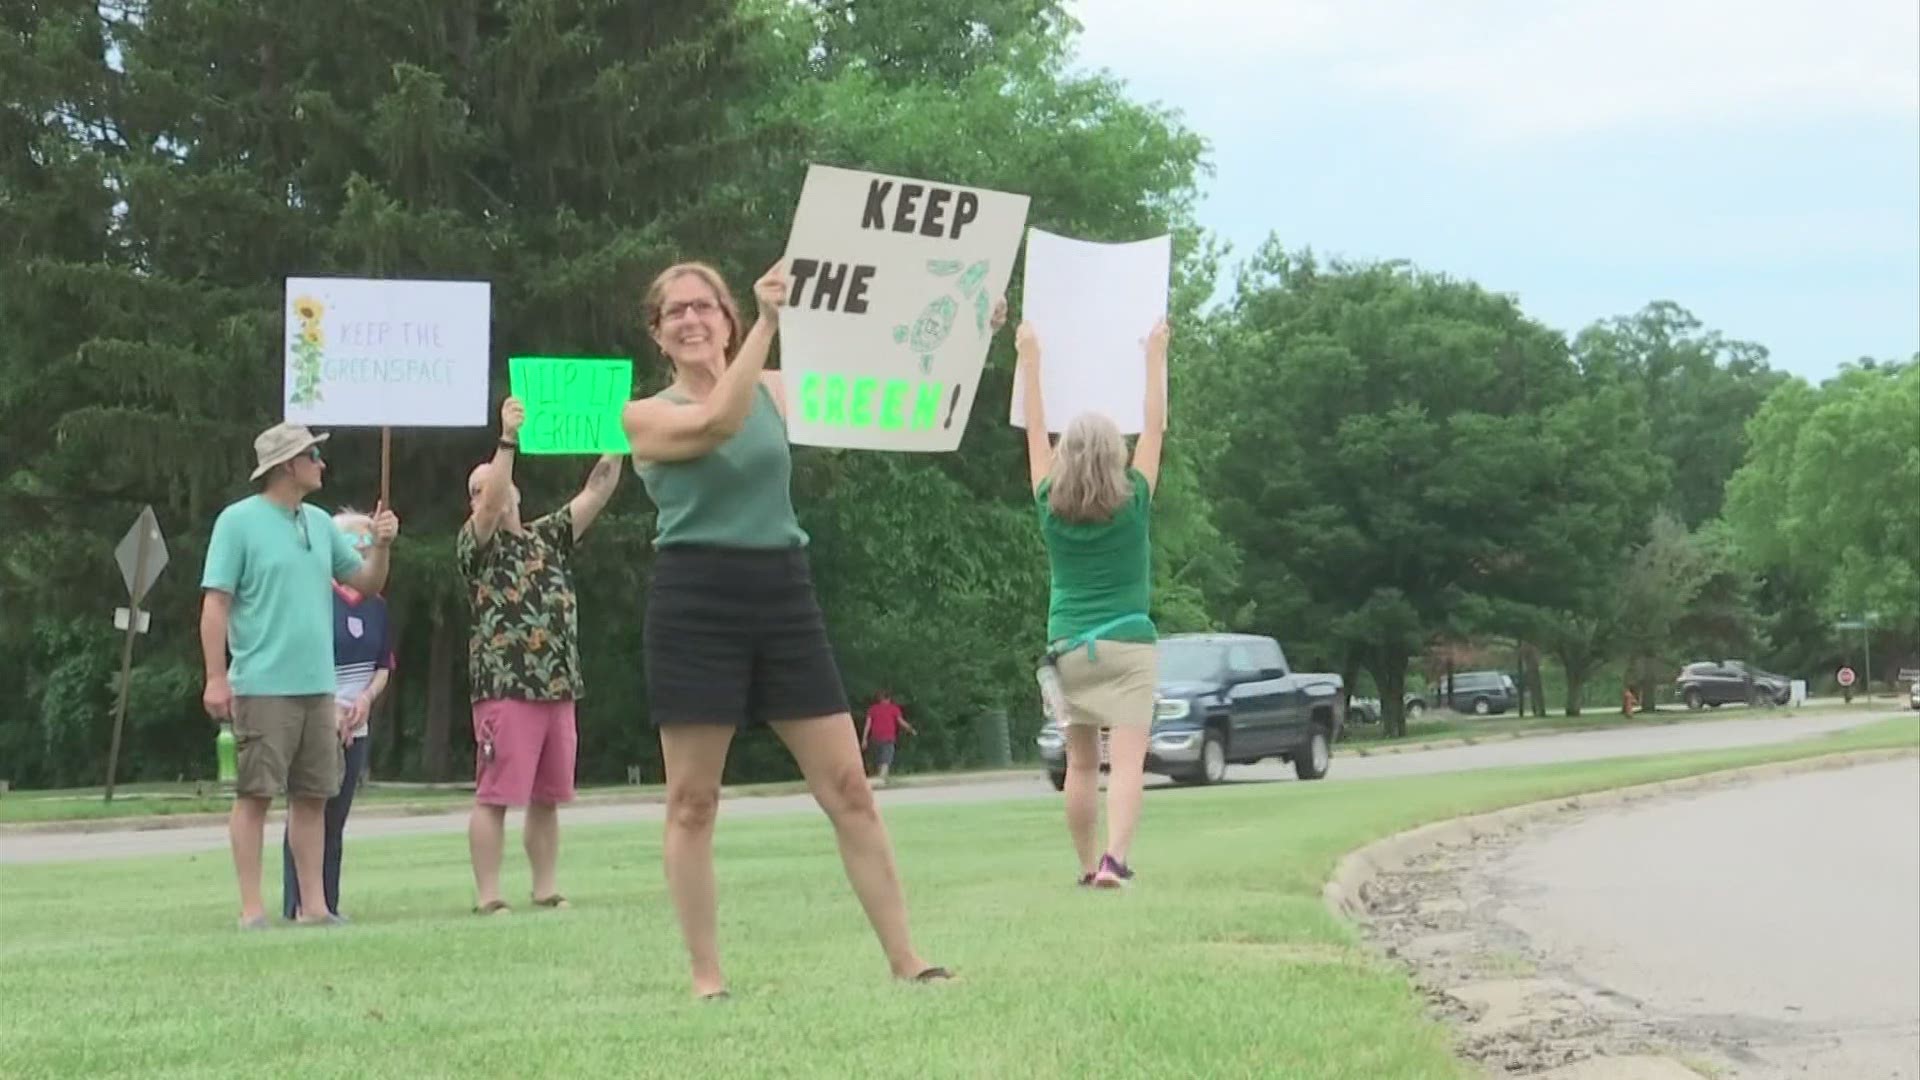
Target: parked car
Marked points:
1913	696
1227	699
1712	684
1366	710
1482	693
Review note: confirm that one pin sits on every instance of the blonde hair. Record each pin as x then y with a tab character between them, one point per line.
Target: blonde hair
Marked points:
1089	471
349	518
657	297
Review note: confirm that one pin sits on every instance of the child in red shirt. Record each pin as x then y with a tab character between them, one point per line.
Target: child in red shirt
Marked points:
884	723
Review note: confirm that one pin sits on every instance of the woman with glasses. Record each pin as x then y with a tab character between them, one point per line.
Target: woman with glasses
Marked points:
733	634
362	661
1100	670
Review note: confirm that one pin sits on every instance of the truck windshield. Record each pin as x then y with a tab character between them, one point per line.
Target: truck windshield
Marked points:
1189	661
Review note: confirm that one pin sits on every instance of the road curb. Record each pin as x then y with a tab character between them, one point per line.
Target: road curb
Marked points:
1345	893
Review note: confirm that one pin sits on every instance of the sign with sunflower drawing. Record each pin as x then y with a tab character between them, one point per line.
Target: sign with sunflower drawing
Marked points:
365	352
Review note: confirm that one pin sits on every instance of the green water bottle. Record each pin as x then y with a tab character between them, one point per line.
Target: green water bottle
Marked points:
223	750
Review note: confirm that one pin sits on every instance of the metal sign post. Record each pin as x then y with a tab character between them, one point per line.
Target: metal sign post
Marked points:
1865	625
142	554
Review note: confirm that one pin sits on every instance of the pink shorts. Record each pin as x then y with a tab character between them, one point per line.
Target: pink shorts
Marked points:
533	750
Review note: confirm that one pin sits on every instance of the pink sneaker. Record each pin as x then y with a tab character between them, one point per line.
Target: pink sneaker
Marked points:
1113	874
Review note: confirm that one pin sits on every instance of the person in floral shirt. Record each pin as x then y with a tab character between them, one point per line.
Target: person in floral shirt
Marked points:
523	662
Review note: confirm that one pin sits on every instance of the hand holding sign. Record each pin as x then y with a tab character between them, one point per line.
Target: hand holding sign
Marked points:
512	415
386	526
1026	344
770	292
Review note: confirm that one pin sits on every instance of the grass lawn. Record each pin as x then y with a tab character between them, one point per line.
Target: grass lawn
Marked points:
1221	962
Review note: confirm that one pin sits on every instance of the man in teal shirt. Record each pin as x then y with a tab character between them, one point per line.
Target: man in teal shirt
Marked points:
268	602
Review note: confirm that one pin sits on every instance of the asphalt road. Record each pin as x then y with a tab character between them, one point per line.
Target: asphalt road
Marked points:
1780	919
1768	728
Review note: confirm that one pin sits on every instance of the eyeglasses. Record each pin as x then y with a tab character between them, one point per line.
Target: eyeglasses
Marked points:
701	308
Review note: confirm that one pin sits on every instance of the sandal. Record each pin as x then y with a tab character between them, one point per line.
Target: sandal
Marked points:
556	902
933	974
492	907
717	995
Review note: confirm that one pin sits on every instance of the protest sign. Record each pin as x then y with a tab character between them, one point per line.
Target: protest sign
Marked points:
573	404
893	282
1092	307
387	353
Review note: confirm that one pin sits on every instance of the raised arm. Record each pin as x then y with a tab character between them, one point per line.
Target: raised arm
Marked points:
1146	449
1039	448
592	499
496	487
662	430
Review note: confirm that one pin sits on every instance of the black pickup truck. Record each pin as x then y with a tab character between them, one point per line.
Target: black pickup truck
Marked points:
1227	699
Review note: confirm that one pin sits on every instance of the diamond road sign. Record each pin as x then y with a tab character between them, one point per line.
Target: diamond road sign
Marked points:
127	554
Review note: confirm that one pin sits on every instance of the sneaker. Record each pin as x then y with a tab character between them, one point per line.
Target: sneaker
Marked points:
1112	874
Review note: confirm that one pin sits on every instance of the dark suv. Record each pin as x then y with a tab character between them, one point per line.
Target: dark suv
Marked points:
1482	693
1730	682
1227	699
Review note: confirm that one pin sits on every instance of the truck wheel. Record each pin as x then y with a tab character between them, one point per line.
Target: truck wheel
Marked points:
1481	706
1059	780
1312	761
1213	761
1693	698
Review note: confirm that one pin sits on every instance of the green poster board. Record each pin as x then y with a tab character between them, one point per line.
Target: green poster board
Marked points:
573	403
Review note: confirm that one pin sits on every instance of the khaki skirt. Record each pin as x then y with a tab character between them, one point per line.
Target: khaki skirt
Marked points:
1114	687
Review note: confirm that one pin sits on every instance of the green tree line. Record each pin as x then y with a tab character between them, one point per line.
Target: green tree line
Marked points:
1366	459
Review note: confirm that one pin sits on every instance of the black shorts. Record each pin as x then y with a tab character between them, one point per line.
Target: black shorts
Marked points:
734	636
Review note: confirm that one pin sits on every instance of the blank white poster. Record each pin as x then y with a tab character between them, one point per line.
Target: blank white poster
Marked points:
1092	307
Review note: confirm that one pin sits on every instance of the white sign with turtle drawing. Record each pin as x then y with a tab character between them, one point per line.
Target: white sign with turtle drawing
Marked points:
888	318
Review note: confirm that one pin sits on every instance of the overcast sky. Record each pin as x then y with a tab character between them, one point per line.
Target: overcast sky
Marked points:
1757	162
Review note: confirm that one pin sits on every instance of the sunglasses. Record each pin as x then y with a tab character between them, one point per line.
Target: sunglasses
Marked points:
300	527
313	454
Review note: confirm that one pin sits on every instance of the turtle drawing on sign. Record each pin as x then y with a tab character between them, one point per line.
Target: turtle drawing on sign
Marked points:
308	351
929	331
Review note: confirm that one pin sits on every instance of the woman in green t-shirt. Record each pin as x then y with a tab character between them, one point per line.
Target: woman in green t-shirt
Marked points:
733	636
1093	510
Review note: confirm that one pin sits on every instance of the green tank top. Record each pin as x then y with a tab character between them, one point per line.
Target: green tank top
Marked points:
737	495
